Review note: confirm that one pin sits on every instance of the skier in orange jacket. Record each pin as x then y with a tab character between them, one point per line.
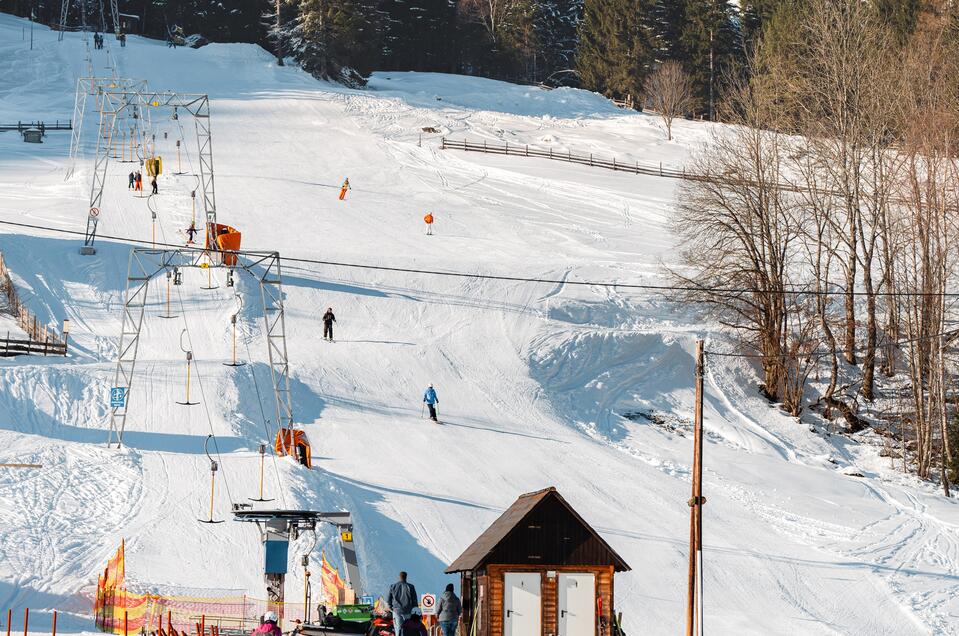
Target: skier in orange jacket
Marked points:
429	223
346	186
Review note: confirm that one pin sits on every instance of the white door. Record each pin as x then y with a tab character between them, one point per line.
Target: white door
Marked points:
577	605
522	607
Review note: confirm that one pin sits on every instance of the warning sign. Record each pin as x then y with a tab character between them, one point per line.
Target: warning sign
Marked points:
94	213
428	604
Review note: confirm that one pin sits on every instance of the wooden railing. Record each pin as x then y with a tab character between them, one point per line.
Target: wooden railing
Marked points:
585	159
40	338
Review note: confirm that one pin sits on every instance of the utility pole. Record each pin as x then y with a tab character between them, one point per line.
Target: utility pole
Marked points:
279	48
694	606
32	18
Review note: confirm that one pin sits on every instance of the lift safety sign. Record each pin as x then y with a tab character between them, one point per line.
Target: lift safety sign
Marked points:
118	397
428	604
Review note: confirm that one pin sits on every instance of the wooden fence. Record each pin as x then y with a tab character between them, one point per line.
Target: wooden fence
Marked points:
595	161
41	339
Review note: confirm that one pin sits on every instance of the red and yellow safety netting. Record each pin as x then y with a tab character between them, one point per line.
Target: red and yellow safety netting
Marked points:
333	588
125	612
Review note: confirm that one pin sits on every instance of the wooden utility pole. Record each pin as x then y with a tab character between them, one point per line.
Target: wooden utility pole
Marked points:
694	618
21	465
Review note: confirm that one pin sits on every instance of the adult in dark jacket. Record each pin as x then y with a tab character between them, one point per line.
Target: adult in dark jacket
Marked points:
401	599
328	320
448	611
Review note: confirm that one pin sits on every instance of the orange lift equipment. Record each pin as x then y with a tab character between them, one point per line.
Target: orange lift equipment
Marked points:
293	442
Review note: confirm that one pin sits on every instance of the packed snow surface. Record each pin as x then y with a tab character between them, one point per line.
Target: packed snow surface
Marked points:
584	387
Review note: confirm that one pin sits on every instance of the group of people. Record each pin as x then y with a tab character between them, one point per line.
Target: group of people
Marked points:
97	41
403	601
407	615
136	182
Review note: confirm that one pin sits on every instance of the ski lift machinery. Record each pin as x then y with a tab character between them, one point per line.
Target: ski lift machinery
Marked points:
277	527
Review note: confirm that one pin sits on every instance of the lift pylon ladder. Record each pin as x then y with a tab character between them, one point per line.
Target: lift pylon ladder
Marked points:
65	11
116	102
144	265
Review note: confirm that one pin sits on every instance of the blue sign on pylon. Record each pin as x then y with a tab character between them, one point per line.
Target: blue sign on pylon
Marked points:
118	397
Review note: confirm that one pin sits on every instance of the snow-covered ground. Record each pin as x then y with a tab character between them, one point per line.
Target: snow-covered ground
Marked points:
534	380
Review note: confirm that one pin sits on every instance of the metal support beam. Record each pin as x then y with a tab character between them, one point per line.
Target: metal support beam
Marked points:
64	11
140	269
145	264
113	103
116	17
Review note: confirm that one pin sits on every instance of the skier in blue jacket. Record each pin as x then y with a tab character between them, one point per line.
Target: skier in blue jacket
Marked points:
430	399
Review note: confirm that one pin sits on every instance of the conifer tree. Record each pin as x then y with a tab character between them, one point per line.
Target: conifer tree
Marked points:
711	44
616	46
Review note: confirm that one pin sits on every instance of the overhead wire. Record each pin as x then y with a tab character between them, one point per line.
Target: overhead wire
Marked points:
199	378
518	279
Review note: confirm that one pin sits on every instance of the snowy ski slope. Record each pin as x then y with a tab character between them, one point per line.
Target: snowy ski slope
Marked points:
534	379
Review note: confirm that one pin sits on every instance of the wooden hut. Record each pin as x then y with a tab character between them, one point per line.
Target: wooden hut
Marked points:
539	570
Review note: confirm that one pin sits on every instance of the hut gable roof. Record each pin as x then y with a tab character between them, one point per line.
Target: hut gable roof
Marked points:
541	522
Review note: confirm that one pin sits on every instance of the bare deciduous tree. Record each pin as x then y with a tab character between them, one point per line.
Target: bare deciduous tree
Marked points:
670	93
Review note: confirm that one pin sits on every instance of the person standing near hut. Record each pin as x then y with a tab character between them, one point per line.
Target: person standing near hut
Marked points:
401	599
448	611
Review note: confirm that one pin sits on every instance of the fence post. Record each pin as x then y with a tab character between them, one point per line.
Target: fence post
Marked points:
26	619
527	150
614	163
9	618
484	145
591	159
443	144
126	623
660	168
54	631
569	155
550	152
507	147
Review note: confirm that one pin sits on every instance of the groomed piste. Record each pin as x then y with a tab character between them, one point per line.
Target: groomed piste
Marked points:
585	387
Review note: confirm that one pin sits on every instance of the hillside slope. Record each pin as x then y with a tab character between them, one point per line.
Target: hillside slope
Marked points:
535	380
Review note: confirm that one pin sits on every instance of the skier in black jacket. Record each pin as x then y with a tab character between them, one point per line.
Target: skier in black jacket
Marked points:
328	320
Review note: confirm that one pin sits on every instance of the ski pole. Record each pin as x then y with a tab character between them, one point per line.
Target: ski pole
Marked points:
423	411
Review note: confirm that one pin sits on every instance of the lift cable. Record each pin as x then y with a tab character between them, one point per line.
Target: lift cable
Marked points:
199	381
732	291
266	424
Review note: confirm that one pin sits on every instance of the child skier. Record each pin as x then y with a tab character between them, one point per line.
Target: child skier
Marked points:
191	233
346	186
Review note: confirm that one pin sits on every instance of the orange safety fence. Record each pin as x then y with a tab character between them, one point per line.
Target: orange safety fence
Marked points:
124	611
